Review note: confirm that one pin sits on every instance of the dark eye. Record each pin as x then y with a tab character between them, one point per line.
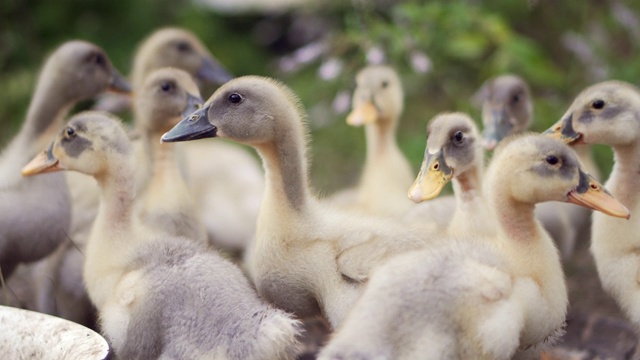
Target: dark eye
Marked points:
235	98
99	59
458	137
183	46
70	132
385	84
515	98
166	86
552	159
598	104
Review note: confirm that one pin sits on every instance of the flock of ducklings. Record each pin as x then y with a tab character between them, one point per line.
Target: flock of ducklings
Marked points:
134	228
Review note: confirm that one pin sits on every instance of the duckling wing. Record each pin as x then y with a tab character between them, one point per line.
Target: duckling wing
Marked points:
366	250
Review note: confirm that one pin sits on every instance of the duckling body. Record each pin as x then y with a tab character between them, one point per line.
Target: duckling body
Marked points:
485	297
377	104
147	308
606	113
36	211
298	239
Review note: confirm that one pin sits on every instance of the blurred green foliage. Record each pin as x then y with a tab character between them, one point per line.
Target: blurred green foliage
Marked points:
559	47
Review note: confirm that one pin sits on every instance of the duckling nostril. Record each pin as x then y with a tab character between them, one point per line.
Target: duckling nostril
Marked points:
194	118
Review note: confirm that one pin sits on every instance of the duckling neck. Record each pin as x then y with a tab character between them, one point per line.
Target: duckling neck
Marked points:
624	182
46	111
516	220
380	139
117	193
467	186
163	159
467	189
286	174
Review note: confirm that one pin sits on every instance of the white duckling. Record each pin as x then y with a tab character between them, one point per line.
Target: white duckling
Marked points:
454	153
377	104
607	113
165	203
159	296
298	238
507	109
35	212
495	297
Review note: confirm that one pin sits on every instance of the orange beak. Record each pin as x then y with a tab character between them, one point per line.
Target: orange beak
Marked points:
591	194
42	163
365	113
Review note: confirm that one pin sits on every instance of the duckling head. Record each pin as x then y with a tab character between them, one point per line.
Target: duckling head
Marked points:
506	108
452	149
181	49
166	96
87	144
378	96
252	110
80	70
605	113
534	168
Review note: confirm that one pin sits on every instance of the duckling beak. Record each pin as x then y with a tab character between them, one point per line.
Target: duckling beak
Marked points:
212	71
42	163
119	84
362	114
563	131
194	103
195	126
433	176
498	127
591	194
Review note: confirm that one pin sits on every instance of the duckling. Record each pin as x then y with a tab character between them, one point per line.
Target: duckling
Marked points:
454	153
507	109
298	238
607	113
165	202
238	196
494	297
159	296
377	104
169	47
36	211
229	205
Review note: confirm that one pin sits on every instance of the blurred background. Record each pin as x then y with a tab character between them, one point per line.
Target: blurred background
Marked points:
443	50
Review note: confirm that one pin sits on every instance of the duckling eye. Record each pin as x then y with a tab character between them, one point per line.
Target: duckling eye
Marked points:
552	159
385	84
458	137
235	98
70	132
515	98
597	104
183	46
99	59
166	86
